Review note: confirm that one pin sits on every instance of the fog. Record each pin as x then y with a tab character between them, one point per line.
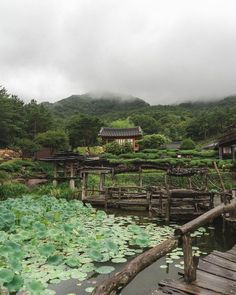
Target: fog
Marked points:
162	51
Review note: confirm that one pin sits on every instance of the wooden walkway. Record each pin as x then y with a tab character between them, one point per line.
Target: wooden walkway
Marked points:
216	274
176	203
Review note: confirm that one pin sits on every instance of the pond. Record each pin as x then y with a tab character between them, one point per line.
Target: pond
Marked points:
212	239
53	246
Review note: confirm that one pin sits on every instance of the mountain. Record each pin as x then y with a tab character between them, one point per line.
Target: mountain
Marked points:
95	104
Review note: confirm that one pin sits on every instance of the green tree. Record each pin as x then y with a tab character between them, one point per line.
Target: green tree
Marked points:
83	130
187	144
56	140
38	119
153	141
122	123
27	145
147	123
11	118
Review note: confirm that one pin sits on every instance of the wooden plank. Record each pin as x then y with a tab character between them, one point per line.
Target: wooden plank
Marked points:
215	283
217	270
232	251
225	255
189	289
216	260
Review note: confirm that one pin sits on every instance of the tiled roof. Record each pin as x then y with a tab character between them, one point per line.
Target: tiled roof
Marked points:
228	138
120	132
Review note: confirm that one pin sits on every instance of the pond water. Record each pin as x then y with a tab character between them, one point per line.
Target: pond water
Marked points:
214	239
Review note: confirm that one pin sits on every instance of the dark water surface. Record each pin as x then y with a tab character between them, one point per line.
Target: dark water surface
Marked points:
149	278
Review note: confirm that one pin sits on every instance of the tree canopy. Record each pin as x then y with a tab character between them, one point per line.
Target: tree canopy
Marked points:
83	130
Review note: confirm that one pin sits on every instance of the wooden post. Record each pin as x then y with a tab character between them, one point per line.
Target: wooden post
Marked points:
168	200
220	177
84	185
140	177
119	197
206	182
149	200
212	195
72	181
161	203
224	191
190	182
190	264
113	177
102	181
55	175
106	197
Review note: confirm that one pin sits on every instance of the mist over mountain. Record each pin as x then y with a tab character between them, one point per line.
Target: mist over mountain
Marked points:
95	104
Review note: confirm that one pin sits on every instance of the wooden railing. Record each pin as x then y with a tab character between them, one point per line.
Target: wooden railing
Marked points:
120	279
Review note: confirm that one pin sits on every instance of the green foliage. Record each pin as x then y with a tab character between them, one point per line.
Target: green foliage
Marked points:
15	165
12	189
4	176
60	191
83	130
26	168
115	148
57	140
153	141
187	144
19	120
94	105
147	123
38	119
55	233
94	150
12	118
27	145
122	123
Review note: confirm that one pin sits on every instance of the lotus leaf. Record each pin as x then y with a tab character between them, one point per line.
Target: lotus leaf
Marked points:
89	289
47	250
105	269
55	259
6	275
15	284
35	288
119	260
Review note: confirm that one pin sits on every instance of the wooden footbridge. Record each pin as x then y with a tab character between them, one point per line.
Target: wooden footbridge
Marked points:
184	204
212	275
216	274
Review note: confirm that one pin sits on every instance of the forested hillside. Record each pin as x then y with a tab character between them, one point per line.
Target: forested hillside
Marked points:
76	120
91	105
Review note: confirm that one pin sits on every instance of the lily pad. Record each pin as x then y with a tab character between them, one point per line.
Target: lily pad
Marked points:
105	269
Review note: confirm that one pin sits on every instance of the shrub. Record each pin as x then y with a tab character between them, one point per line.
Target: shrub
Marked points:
27	145
54	139
153	141
187	144
115	148
12	189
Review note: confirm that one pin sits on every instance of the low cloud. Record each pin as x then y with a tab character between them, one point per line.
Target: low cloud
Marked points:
163	51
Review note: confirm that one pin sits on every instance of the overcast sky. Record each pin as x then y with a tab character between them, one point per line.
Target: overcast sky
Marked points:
164	51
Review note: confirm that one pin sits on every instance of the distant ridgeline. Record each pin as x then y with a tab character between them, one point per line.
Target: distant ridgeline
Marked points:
103	105
92	105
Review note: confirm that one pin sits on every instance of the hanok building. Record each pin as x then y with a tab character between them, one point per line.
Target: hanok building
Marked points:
122	135
227	145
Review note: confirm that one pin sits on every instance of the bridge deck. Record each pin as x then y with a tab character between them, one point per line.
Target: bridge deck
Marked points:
216	274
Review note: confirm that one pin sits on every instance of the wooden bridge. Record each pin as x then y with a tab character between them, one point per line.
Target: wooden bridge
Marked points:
216	274
213	274
184	204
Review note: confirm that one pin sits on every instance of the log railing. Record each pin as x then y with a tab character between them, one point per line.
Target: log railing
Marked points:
190	261
120	279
